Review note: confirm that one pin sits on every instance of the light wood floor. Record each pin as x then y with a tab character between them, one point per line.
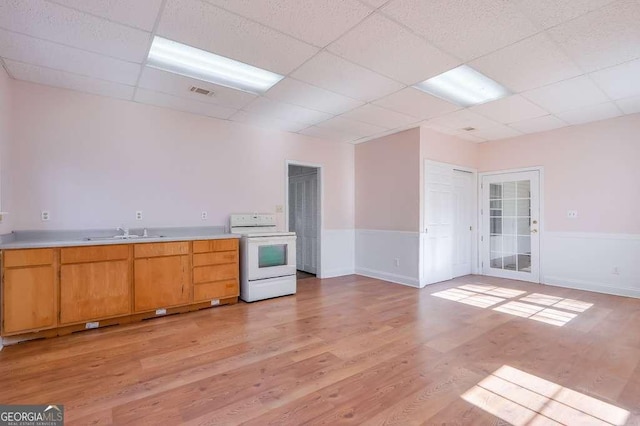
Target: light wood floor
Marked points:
347	350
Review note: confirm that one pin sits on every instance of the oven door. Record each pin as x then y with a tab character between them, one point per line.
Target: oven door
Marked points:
270	257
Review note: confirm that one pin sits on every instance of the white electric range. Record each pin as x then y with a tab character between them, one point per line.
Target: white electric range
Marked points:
267	257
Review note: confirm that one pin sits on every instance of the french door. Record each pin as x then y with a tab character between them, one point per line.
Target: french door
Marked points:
510	225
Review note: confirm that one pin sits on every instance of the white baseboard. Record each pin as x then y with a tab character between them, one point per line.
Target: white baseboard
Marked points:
388	255
585	261
338	253
397	279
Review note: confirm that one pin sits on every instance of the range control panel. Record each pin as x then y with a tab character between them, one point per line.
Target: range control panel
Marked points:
253	219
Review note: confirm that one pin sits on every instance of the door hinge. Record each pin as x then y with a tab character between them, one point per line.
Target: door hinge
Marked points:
482	264
481	237
481	211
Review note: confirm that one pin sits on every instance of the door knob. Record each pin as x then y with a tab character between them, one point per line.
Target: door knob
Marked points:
535	222
533	231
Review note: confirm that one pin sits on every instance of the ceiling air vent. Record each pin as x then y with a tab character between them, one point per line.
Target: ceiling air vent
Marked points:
469	129
201	91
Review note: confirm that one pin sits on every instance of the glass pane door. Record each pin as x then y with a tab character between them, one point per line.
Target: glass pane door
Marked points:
511	230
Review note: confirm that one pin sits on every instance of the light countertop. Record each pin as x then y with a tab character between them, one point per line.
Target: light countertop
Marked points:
65	238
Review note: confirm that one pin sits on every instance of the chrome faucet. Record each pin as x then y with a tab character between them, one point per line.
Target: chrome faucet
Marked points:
125	231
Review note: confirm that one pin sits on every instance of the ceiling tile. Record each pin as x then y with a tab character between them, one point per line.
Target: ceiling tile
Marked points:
527	64
338	75
44	53
57	23
386	47
549	13
299	93
376	3
457	121
629	105
467	29
274	109
178	85
621	81
539	124
67	80
324	133
210	28
470	137
497	132
509	110
605	37
590	113
416	103
266	122
140	13
351	127
187	105
318	22
569	94
379	116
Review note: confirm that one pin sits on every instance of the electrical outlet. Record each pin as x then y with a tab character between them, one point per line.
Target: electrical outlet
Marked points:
161	311
44	215
279	208
397	262
138	215
615	270
91	325
204	215
572	214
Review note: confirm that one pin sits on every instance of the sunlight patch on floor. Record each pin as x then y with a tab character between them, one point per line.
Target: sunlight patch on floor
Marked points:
537	313
535	306
524	399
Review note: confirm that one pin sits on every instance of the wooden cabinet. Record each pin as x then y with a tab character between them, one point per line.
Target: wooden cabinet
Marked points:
215	270
162	276
29	301
62	289
95	283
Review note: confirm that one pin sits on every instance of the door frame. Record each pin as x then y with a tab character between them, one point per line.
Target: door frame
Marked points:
320	213
475	211
541	221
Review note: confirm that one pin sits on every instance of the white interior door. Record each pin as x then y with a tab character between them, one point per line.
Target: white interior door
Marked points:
303	219
463	219
510	225
439	222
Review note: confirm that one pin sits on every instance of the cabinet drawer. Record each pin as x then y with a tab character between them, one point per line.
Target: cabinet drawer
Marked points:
94	254
215	258
31	257
161	249
216	290
215	245
203	274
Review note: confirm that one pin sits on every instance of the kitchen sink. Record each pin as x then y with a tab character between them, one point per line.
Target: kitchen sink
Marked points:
124	237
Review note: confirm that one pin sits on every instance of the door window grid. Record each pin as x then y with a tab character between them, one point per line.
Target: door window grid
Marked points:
510	225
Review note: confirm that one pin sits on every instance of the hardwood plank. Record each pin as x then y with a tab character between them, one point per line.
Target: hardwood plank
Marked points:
349	350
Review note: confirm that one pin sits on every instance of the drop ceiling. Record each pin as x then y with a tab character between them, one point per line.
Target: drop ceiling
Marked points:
348	64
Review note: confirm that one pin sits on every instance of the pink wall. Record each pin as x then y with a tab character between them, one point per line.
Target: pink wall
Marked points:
93	161
5	120
593	168
387	182
448	149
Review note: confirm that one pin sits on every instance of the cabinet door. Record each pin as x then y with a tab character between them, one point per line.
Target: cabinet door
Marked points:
161	282
92	291
29	299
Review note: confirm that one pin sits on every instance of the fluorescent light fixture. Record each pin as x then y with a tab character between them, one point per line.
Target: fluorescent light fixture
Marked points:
463	86
185	60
